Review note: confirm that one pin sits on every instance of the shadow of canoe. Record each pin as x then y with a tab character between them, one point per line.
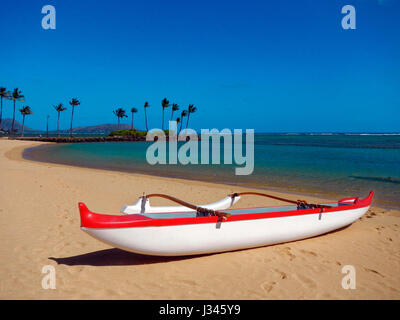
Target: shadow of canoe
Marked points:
116	257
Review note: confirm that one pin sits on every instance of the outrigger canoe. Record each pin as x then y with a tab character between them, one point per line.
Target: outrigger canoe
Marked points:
199	230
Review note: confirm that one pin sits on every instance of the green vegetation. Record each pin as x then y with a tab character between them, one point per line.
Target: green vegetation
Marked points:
134	133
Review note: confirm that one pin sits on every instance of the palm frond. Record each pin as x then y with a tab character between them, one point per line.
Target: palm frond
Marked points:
120	113
165	103
17	95
5	94
26	110
59	107
192	108
74	102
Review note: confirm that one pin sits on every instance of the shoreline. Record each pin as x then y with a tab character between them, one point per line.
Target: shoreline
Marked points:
18	155
40	226
325	196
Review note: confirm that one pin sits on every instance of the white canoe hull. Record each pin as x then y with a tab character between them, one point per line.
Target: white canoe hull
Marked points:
190	239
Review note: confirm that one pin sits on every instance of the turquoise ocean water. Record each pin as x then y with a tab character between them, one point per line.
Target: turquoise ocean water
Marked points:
329	165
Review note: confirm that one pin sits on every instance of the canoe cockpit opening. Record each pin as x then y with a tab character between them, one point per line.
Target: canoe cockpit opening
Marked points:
232	212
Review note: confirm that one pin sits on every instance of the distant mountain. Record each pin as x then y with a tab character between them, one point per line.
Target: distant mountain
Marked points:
7	123
100	129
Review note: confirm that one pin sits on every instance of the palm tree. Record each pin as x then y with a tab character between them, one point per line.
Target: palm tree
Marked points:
74	103
16	96
164	104
24	111
133	110
146	105
6	95
120	113
178	120
59	108
175	107
47	126
183	114
191	109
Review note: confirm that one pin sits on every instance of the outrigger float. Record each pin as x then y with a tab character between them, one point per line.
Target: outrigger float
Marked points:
190	229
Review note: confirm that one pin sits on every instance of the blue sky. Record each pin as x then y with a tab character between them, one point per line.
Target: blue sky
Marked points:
274	66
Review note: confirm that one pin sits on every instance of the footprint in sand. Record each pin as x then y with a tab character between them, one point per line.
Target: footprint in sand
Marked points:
282	274
286	250
379	229
330	261
311	253
370	215
268	286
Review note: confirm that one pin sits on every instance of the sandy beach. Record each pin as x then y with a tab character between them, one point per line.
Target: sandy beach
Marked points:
40	226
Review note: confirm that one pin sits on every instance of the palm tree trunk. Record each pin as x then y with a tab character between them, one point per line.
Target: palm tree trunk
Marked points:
145	116
72	117
187	122
23	125
118	124
180	126
162	119
12	125
132	122
58	124
172	114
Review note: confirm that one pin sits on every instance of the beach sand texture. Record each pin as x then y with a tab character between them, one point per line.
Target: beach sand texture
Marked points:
39	223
